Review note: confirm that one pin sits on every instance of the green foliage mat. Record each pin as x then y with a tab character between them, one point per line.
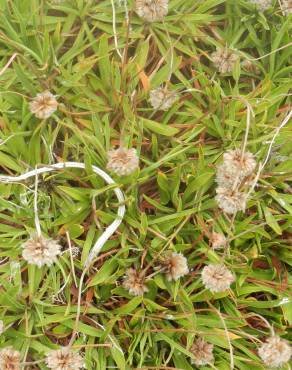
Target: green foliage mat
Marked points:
68	48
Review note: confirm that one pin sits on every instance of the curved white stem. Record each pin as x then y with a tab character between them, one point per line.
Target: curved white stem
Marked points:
35	207
57	166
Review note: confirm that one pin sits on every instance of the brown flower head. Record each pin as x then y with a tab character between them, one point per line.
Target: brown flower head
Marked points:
40	251
217	278
134	282
152	10
43	105
176	266
287	7
161	98
122	161
9	359
249	66
203	352
224	60
276	352
218	240
64	359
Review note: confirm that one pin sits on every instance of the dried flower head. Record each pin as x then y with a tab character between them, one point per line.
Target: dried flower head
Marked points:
224	60
203	352
249	66
262	5
275	352
230	201
152	10
43	105
217	240
238	163
176	266
161	98
134	282
58	298
75	251
217	278
226	177
122	161
64	359
287	7
9	359
1	327
40	251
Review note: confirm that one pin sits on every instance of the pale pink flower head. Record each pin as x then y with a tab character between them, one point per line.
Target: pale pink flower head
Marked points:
40	251
226	177
176	266
262	5
238	163
122	161
134	282
2	327
230	201
203	352
64	359
152	10
217	278
162	98
275	352
43	105
217	240
287	7
9	359
224	60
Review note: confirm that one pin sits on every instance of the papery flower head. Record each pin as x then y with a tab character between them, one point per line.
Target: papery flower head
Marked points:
40	251
64	359
275	352
43	105
1	327
203	352
262	5
122	161
134	282
226	176
242	164
249	66
9	359
287	7
152	10
162	98
217	278
230	201
224	60
176	266
217	240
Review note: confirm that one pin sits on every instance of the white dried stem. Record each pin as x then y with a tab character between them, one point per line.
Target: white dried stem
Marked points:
35	208
8	63
115	30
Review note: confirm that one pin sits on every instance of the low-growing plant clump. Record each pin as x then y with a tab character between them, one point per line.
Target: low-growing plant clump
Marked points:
146	200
